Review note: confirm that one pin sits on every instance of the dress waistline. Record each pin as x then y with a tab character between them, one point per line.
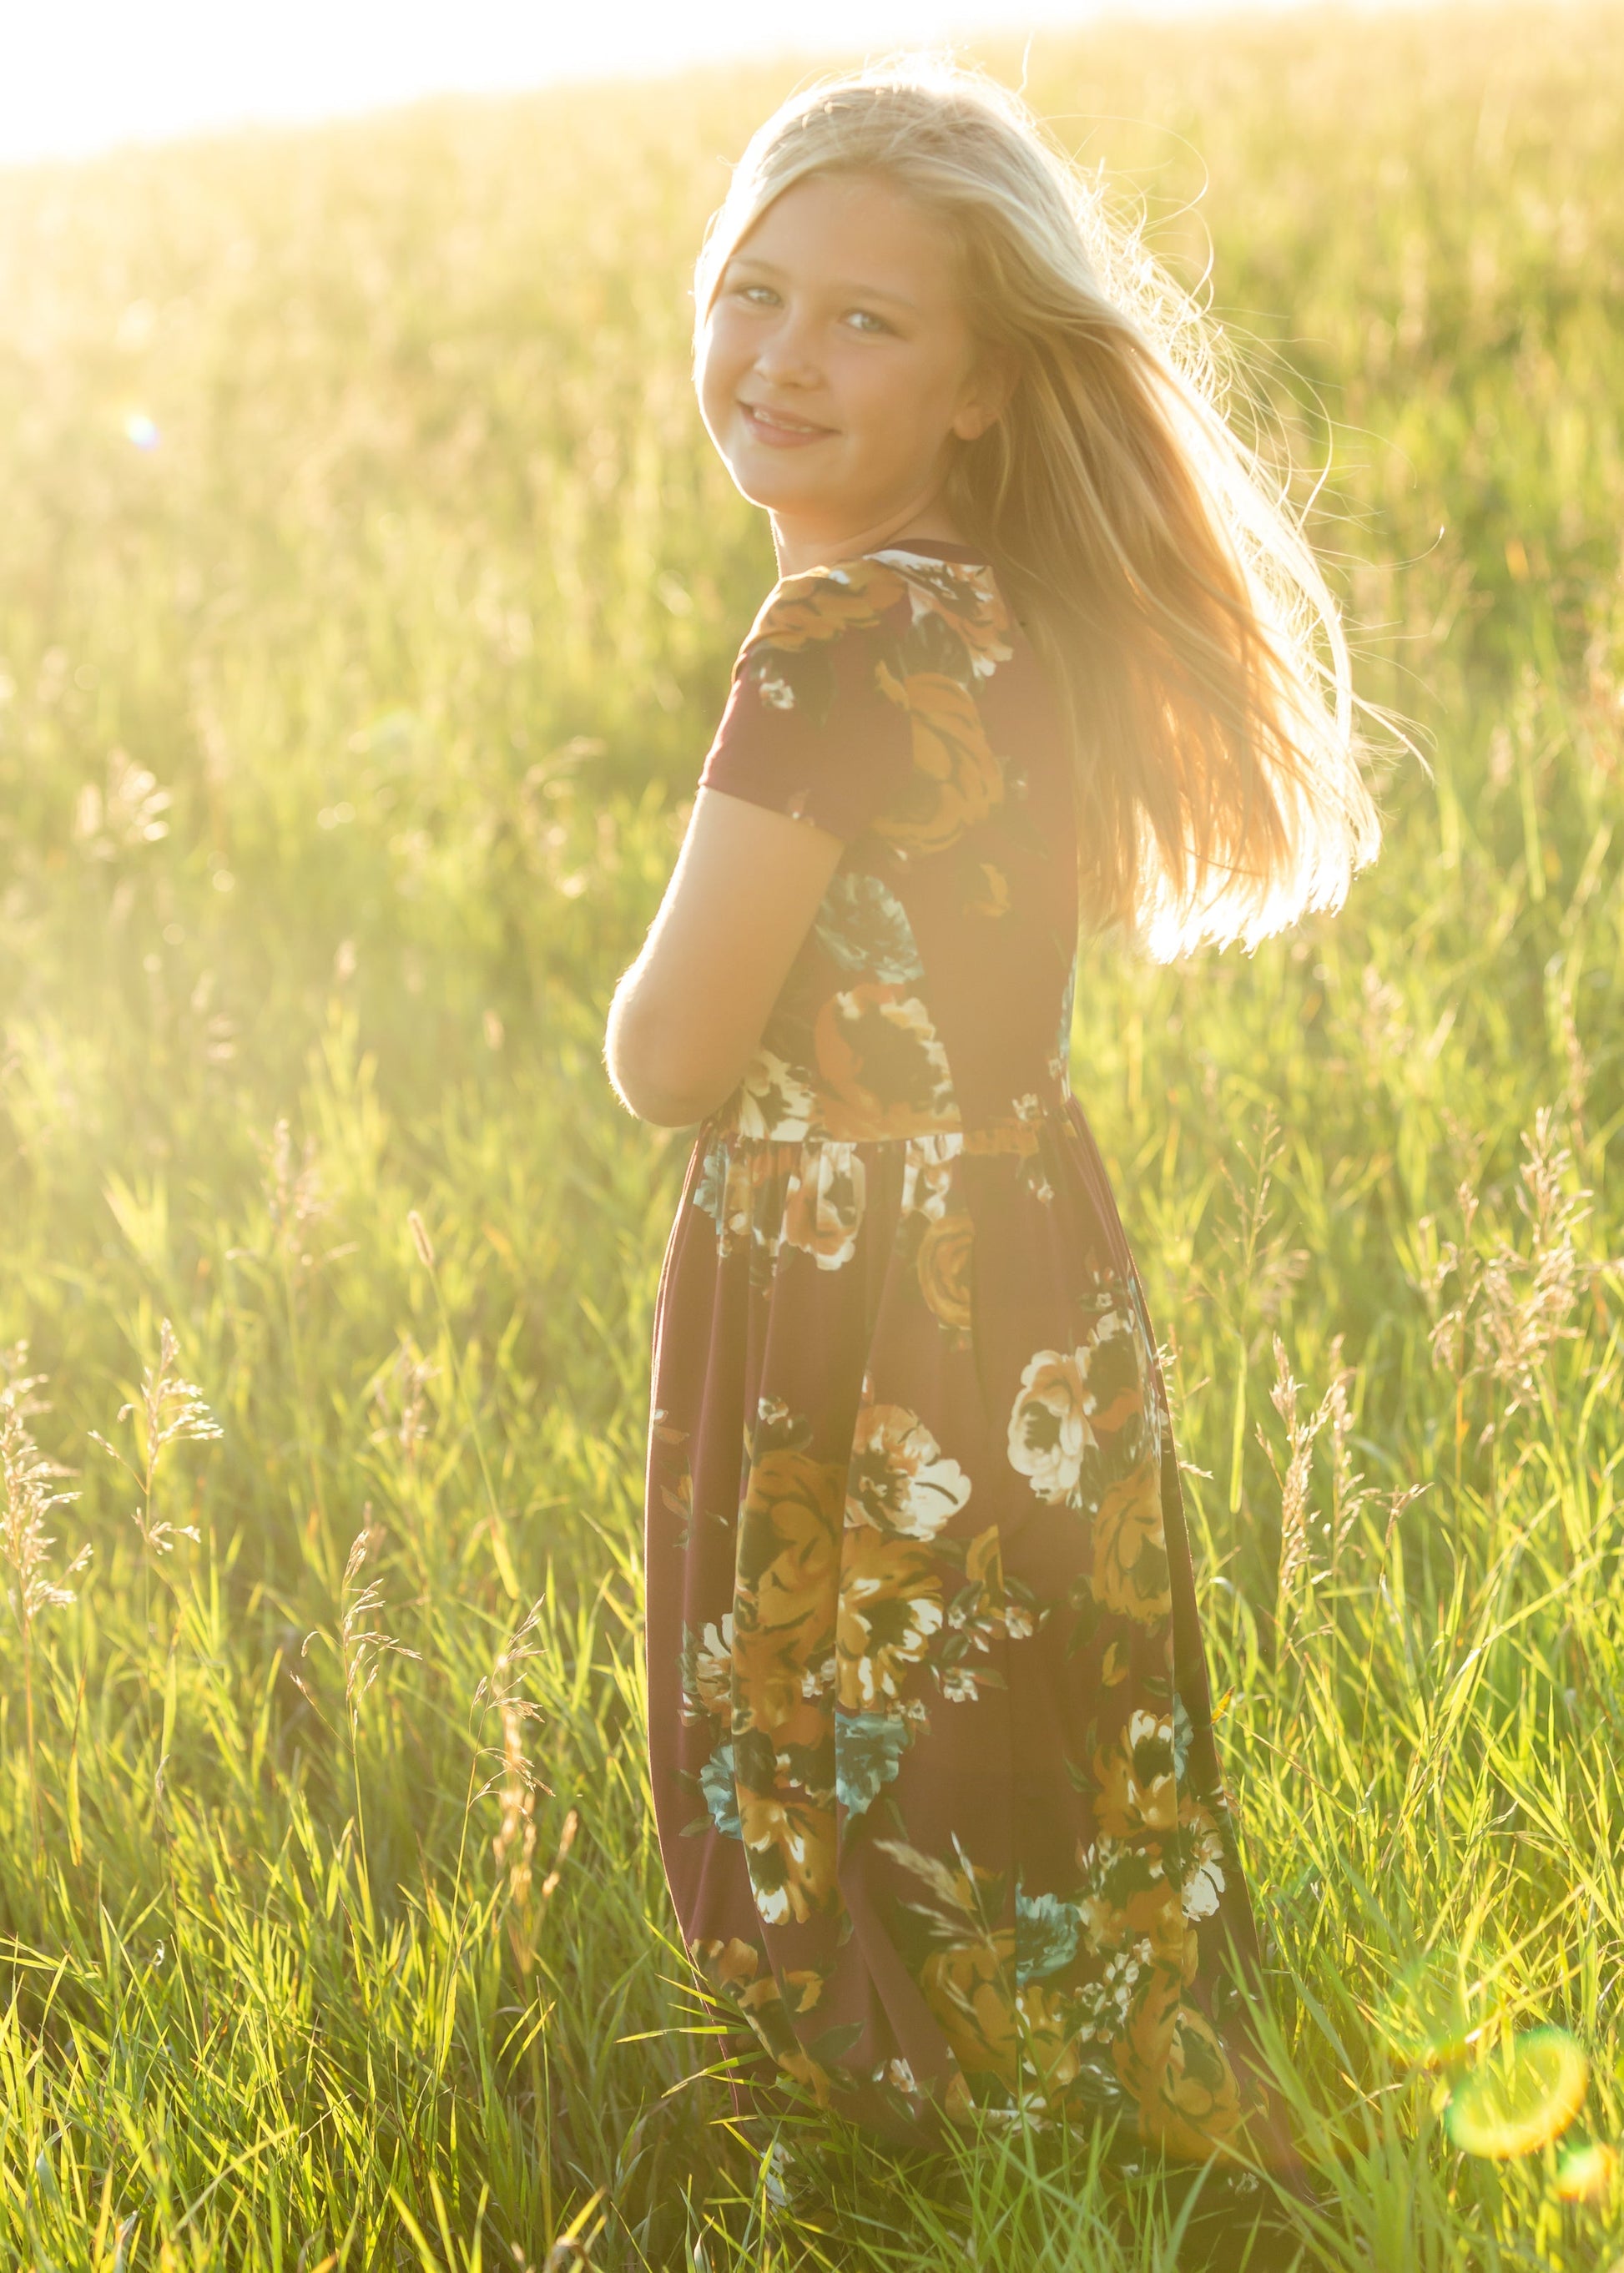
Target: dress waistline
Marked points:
1020	1133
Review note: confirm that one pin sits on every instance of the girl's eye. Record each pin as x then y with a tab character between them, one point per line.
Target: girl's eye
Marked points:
757	296
862	320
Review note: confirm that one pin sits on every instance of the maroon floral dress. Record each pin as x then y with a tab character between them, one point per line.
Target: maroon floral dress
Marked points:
931	1737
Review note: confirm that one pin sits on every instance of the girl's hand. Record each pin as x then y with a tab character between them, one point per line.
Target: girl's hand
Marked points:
688	1013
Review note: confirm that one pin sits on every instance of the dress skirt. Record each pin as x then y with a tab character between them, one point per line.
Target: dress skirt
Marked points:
930	1727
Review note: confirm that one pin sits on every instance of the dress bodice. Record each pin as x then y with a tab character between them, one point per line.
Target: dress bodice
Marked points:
893	701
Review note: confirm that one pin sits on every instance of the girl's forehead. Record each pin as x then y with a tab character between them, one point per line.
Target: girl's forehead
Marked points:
836	216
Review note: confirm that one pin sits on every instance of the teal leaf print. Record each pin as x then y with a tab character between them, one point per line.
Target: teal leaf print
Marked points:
715	1780
868	1749
864	926
1046	1931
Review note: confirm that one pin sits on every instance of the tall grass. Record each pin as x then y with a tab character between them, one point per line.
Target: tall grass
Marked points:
343	747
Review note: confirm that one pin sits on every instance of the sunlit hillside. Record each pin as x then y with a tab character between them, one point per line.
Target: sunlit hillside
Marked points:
367	596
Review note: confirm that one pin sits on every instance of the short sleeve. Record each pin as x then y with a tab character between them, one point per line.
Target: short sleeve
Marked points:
810	730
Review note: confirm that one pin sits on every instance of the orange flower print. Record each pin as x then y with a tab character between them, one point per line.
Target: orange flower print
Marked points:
880	1067
1201	2095
787	1556
808	1984
970	1989
899	1481
790	1845
1142	1914
1118	1376
1129	1574
957	781
945	1255
1049	2049
727	1965
1173	2062
891	1609
1138	1792
734	1971
805	611
823	1204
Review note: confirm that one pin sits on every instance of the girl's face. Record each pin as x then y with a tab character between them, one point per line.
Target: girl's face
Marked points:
837	372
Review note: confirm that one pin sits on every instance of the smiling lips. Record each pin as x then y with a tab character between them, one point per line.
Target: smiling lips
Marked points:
778	429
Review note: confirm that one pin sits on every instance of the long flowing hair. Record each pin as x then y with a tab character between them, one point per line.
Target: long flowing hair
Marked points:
1196	650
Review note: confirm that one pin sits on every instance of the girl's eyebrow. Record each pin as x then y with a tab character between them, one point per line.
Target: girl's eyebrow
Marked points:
857	288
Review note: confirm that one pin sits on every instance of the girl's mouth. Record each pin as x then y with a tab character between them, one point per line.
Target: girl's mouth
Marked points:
779	431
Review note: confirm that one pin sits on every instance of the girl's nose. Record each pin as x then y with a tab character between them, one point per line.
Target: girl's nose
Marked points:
786	357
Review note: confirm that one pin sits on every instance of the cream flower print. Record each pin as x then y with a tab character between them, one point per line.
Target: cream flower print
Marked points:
1052	1428
900	1481
1204	1875
713	1668
823	1204
928	1175
774	1100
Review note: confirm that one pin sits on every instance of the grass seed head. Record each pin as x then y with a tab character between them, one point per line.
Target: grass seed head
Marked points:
29	1481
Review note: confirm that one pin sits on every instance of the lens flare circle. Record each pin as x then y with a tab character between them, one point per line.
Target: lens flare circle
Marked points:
1587	2173
1523	2095
142	431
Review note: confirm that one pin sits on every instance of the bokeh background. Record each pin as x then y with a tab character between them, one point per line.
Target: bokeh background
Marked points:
367	596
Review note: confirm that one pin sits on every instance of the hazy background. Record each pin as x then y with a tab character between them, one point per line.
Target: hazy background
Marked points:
86	74
369	593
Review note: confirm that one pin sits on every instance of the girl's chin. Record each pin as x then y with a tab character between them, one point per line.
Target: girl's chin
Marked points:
776	489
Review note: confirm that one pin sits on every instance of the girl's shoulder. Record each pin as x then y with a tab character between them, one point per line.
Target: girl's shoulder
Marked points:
928	611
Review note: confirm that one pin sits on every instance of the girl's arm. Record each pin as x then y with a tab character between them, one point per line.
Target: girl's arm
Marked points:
687	1015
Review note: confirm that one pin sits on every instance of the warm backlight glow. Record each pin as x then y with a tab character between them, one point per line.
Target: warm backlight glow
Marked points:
81	75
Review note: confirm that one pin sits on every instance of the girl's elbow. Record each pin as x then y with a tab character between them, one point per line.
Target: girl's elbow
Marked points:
656	1078
664	1107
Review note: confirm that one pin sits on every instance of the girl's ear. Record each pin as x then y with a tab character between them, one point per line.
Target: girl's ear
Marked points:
987	395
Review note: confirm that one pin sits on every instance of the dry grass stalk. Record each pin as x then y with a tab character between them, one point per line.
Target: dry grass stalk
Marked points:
517	1789
1511	1307
29	1476
172	1412
1301	1435
363	1647
293	1194
29	1481
401	1400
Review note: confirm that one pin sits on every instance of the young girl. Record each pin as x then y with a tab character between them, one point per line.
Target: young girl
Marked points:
932	1747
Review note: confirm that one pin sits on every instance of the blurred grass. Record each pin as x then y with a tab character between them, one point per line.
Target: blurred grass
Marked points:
344	747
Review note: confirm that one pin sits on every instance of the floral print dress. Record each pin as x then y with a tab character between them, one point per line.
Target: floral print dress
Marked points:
931	1732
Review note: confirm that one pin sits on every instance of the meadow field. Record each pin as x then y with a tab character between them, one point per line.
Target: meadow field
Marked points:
367	595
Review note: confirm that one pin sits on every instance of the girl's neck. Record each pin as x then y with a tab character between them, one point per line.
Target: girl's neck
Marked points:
799	548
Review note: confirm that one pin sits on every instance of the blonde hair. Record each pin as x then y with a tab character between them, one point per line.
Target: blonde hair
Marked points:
1196	650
